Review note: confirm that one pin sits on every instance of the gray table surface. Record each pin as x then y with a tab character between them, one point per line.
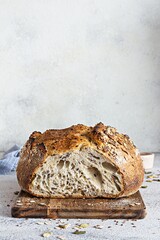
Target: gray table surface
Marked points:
148	228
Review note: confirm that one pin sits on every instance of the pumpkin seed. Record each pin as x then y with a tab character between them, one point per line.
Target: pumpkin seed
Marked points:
79	232
83	225
148	172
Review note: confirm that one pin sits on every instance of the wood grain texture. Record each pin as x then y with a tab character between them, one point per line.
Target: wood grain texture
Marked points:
27	206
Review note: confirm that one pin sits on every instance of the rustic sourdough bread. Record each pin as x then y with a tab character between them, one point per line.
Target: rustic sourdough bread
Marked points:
80	162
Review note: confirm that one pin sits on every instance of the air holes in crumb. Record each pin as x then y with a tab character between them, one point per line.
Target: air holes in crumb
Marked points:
60	164
94	175
116	181
109	166
117	185
67	164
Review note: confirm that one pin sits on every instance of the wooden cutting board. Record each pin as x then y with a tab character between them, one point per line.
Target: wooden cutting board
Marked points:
27	206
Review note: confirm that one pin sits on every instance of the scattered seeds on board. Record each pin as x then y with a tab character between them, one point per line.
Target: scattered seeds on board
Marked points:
19	204
42	204
32	201
47	223
148	172
39	223
79	232
46	234
60	220
150	176
16	192
60	237
132	204
143	186
83	225
63	226
98	226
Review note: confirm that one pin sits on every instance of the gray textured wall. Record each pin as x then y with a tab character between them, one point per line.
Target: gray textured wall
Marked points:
84	61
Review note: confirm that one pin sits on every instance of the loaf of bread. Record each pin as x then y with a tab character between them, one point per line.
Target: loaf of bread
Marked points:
80	162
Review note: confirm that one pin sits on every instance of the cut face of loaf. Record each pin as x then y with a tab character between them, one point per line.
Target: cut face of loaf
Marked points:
79	173
80	162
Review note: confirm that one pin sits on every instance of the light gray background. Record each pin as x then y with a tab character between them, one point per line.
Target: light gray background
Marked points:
83	61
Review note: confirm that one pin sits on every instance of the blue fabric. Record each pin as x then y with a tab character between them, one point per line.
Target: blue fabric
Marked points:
10	160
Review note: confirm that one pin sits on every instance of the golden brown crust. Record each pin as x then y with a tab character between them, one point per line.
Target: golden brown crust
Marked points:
123	153
118	148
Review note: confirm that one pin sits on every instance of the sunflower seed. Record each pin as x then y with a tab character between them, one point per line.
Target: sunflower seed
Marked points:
47	223
39	223
98	226
42	204
63	226
61	237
